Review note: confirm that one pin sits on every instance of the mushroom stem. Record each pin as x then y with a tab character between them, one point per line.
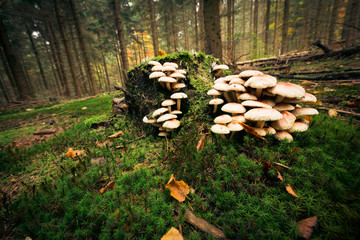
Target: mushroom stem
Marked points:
260	124
178	104
169	107
168	86
279	99
258	92
227	97
232	135
223	136
215	108
162	84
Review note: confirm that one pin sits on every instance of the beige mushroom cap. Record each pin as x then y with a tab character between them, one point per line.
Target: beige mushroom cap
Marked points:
239	118
304	112
179	85
182	71
220	129
253	103
168	69
285	122
233	108
288	90
283	135
168	102
220	67
298	127
236	88
167	80
177	112
263	114
223	119
157	68
179	95
220	80
237	80
147	120
261	81
247	96
171	64
166	117
171	124
156	75
154	63
213	92
216	101
177	75
261	131
163	134
270	130
234	126
268	101
159	111
249	73
284	107
221	87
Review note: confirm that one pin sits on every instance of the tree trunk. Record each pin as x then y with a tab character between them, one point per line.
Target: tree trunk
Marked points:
122	82
317	20
233	46
84	48
196	27
201	26
121	36
7	70
186	44
306	25
67	47
154	27
284	35
106	71
56	84
212	28
243	3
14	64
333	19
143	44
167	31
229	35
267	24
349	33
255	28
174	32
4	90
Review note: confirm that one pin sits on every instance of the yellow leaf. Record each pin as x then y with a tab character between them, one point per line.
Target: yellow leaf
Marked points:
115	135
84	108
290	190
74	153
316	92
309	118
172	234
251	130
178	189
108	186
201	144
332	113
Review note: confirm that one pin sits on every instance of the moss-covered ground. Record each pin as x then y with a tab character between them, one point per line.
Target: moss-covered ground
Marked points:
46	195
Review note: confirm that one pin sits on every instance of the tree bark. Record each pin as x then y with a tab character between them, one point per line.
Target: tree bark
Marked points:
255	28
174	32
121	36
212	28
143	44
67	47
56	84
267	24
306	25
7	70
4	90
186	45
229	35
201	26
196	27
167	31
243	3
333	19
122	81
317	20
106	71
284	35
275	43
154	28
233	46
351	21
14	64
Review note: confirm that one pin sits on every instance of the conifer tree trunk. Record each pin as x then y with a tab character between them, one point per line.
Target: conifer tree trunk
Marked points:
317	20
349	32
233	46
154	27
255	28
143	44
106	71
167	30
67	47
284	36
275	43
4	90
7	70
196	27
56	84
267	24
14	64
174	32
243	3
229	35
333	19
186	45
212	28
306	25
122	82
201	26
121	36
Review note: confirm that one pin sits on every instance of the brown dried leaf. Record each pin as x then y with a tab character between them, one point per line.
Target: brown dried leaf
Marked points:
108	186
290	190
115	135
282	165
279	176
251	130
201	144
266	165
103	144
305	227
83	108
75	153
178	189
172	234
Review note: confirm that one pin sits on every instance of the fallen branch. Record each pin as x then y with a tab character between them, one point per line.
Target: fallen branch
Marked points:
350	75
341	111
44	131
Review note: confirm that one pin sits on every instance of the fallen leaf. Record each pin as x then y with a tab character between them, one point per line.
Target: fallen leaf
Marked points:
318	102
282	165
119	147
203	225
70	111
117	212
332	113
290	190
352	104
178	189
305	227
115	135
266	165
201	144
172	234
75	153
29	109
104	143
309	118
251	130
279	176
84	108
316	92
108	186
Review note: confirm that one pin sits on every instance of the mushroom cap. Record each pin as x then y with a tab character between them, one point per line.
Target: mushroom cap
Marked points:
261	81
283	135
261	131
147	120
157	68
263	114
168	102
234	126
220	80
213	92
233	108
159	111
156	75
168	69
237	81
298	127
216	101
236	88
228	78
171	64
166	117
182	71
284	107
220	129
154	63
238	118
288	90
177	75
302	120
179	85
223	119
163	134
270	130
253	103
220	67
178	95
247	96
268	101
171	124
177	112
167	80
285	122
304	112
221	87
249	73
308	98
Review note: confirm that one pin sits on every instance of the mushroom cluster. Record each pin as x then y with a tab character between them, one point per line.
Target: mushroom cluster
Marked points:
270	107
169	77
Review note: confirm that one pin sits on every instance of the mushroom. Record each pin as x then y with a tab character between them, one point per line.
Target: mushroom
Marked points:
261	115
213	92
298	127
168	70
304	112
157	68
171	64
270	130
220	129
156	75
249	73
171	124
255	104
239	118
154	63
233	108
223	119
223	87
158	112
166	117
167	81
284	107
163	134
285	122
246	96
219	68
268	101
216	102
177	86
178	97
234	126
168	103
236	89
286	90
259	82
283	135
182	71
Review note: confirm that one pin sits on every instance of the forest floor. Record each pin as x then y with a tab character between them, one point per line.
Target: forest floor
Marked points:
47	195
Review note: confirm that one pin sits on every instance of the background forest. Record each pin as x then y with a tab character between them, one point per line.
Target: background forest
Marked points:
76	48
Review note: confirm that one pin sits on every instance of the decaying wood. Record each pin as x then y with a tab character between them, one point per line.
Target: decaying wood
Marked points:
349	75
45	131
204	225
341	111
